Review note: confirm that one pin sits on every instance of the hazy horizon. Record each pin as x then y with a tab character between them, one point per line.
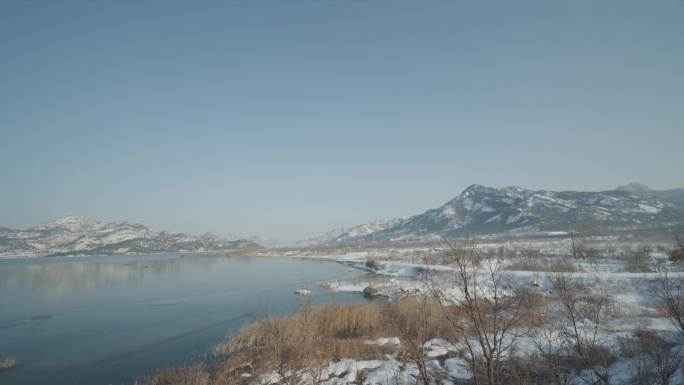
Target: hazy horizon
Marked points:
292	119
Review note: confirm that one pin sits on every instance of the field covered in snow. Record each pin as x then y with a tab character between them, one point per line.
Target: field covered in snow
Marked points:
558	308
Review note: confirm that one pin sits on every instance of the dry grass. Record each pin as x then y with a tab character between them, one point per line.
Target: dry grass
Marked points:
638	262
676	256
192	375
372	263
404	315
8	363
542	265
299	343
326	322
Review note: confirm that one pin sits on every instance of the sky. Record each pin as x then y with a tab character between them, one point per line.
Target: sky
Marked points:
291	118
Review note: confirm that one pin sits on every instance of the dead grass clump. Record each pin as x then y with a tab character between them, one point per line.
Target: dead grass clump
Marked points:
405	315
372	263
525	264
676	256
542	265
532	253
530	303
638	262
8	363
430	259
317	324
193	375
292	346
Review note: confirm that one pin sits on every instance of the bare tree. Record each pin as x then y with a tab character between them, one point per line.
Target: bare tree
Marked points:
656	361
666	359
677	254
416	324
585	313
552	355
670	293
486	315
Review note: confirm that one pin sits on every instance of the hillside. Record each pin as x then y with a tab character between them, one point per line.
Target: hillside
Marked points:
84	236
481	210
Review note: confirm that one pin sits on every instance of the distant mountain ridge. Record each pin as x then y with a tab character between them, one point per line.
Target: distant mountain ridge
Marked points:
344	235
77	235
673	196
481	210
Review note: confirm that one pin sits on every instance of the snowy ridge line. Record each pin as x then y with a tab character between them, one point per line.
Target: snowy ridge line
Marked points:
481	210
73	235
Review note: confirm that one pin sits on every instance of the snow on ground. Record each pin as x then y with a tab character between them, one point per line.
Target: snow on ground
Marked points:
389	371
605	269
632	292
384	341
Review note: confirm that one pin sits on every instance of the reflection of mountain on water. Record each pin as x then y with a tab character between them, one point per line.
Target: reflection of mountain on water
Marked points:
68	278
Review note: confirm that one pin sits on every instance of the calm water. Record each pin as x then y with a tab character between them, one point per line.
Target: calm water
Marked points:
105	320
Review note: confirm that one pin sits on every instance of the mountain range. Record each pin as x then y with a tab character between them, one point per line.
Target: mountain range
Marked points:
478	210
75	235
481	210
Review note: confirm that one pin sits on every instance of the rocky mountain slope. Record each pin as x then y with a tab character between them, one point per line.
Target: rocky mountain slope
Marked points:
84	236
481	210
350	234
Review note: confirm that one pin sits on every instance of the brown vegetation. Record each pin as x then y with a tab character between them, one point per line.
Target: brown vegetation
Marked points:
8	363
372	263
300	346
656	360
488	324
638	261
192	375
483	314
542	265
584	312
677	254
670	294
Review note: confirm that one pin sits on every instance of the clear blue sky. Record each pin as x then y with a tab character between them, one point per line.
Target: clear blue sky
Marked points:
289	118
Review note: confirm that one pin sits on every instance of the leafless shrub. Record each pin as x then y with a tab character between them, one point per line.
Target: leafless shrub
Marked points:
532	253
586	252
638	261
670	293
655	360
486	316
553	359
372	263
585	312
677	254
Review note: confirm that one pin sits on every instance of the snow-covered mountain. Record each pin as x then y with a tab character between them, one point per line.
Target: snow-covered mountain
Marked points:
85	236
480	210
673	196
350	234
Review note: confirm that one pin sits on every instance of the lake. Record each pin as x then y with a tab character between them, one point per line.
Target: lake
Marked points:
106	320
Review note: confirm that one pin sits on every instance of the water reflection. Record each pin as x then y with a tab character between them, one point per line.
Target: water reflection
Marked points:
72	277
95	320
